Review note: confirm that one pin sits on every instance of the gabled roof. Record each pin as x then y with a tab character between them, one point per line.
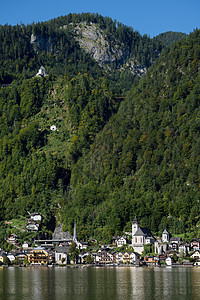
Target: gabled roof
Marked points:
175	238
11	253
143	231
122	237
2	254
195	239
129	252
61	249
196	251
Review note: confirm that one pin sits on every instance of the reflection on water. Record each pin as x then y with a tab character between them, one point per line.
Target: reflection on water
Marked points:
100	283
162	283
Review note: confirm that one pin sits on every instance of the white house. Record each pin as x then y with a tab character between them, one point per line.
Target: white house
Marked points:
131	257
11	256
36	217
175	239
140	237
81	245
119	257
13	239
183	248
32	227
96	257
104	257
61	254
161	246
20	256
168	261
25	245
135	258
121	241
196	254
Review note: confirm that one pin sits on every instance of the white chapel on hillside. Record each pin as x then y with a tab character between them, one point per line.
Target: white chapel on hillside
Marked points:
140	236
41	72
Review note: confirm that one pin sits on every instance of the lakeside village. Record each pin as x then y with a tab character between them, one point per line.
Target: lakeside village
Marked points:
129	249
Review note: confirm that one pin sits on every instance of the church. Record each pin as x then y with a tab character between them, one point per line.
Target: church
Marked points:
140	236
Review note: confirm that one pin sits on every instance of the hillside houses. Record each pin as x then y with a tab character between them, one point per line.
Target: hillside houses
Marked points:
103	256
166	250
107	256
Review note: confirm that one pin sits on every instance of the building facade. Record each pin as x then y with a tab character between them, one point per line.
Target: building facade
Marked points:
140	237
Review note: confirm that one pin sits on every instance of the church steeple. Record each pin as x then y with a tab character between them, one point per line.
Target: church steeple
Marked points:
75	234
135	226
165	236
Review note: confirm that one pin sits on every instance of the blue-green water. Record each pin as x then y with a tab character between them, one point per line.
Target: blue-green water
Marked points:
111	283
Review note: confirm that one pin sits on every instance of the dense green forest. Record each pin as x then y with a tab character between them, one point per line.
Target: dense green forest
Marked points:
145	162
97	145
170	37
23	49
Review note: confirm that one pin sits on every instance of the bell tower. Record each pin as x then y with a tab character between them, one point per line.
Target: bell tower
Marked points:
135	226
165	236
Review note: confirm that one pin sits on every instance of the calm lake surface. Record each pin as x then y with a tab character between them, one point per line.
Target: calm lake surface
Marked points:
111	283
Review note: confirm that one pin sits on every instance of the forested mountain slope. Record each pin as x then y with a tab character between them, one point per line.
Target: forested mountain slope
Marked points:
72	147
170	37
145	162
76	43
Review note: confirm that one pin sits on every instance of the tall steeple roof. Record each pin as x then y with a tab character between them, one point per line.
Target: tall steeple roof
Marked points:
135	220
75	234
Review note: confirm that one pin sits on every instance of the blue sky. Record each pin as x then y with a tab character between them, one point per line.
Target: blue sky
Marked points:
148	16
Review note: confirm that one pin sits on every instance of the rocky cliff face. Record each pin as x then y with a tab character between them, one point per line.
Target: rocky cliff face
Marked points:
110	55
93	40
59	234
40	43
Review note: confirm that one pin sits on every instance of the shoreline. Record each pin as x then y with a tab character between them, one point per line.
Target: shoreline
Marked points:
80	266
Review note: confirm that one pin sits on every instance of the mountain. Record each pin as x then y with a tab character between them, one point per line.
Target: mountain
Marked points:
76	43
145	161
170	37
106	135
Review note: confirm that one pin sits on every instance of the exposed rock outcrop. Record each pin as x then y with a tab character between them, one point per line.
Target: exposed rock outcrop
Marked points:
108	54
60	234
91	39
40	43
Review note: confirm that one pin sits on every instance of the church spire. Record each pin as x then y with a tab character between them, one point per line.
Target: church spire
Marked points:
135	220
135	226
75	234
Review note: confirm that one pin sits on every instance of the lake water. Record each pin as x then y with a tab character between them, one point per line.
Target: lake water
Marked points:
111	283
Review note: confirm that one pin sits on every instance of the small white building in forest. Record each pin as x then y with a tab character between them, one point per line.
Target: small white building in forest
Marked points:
41	72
